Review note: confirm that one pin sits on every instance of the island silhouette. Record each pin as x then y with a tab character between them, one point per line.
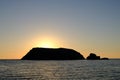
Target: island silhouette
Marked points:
58	54
93	56
53	54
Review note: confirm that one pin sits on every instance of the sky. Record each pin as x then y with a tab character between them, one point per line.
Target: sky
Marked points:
87	26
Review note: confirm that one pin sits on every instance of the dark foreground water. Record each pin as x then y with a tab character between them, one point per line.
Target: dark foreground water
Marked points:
60	70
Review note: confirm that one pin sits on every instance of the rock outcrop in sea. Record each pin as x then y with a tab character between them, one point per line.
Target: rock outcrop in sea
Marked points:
104	58
53	54
93	56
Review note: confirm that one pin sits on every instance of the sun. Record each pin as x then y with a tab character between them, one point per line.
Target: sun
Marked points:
47	44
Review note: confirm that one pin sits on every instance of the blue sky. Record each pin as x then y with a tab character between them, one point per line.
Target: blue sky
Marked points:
84	25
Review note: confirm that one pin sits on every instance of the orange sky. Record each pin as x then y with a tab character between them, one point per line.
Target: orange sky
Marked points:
88	26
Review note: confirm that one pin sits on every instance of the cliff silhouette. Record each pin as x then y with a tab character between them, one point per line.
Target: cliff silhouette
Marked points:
53	54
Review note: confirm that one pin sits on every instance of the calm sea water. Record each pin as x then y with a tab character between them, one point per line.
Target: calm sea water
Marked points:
60	70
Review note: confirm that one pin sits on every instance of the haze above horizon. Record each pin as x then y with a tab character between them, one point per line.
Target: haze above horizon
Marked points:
87	26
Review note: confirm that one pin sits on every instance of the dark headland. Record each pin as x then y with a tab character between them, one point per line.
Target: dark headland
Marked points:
53	54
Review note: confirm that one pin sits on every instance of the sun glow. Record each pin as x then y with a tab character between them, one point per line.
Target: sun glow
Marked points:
47	44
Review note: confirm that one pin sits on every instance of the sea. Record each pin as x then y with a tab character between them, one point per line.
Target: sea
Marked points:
60	70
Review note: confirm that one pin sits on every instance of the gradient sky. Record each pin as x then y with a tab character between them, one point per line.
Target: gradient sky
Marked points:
84	25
